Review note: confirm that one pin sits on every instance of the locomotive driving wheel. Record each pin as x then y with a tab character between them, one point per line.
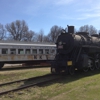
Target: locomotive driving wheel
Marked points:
97	64
91	64
71	70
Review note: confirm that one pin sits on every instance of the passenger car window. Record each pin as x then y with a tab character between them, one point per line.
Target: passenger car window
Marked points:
34	51
12	51
27	51
20	51
40	51
4	51
46	51
52	51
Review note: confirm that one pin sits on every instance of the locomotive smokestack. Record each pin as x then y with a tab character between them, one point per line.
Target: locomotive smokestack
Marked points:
70	29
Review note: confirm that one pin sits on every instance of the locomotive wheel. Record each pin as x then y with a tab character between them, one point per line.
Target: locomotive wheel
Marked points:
97	64
71	70
91	65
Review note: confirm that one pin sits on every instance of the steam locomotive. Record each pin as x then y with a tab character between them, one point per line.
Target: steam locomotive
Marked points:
76	51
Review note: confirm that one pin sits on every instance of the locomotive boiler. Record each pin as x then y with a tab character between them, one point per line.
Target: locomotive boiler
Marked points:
79	51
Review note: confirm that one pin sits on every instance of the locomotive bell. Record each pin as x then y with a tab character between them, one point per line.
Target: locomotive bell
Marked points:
70	29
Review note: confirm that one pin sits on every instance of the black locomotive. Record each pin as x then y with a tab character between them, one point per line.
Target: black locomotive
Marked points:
76	51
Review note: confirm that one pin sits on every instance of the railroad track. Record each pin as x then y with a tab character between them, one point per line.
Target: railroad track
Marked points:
20	68
40	80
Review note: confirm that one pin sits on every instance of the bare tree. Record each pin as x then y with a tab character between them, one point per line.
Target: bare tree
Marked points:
54	33
17	29
2	32
46	39
40	36
29	36
93	30
90	29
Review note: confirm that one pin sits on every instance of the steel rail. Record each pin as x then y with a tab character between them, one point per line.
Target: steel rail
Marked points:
30	85
25	79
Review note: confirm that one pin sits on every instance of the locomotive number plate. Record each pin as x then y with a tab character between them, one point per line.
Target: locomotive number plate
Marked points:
69	63
60	47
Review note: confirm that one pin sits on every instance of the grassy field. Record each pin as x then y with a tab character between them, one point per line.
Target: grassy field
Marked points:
6	76
81	86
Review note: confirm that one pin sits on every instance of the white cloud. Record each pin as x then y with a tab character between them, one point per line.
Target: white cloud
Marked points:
63	9
81	16
81	10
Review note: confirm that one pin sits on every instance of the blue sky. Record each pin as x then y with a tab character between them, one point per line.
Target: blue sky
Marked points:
43	14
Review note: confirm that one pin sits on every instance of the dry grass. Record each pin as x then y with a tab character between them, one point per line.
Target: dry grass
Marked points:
82	86
6	76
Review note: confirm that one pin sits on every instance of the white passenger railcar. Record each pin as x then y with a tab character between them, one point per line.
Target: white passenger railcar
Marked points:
22	52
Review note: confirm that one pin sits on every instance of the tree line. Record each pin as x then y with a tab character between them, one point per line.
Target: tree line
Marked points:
19	31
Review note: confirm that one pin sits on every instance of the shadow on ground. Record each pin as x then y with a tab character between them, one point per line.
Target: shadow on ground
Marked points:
66	78
21	68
